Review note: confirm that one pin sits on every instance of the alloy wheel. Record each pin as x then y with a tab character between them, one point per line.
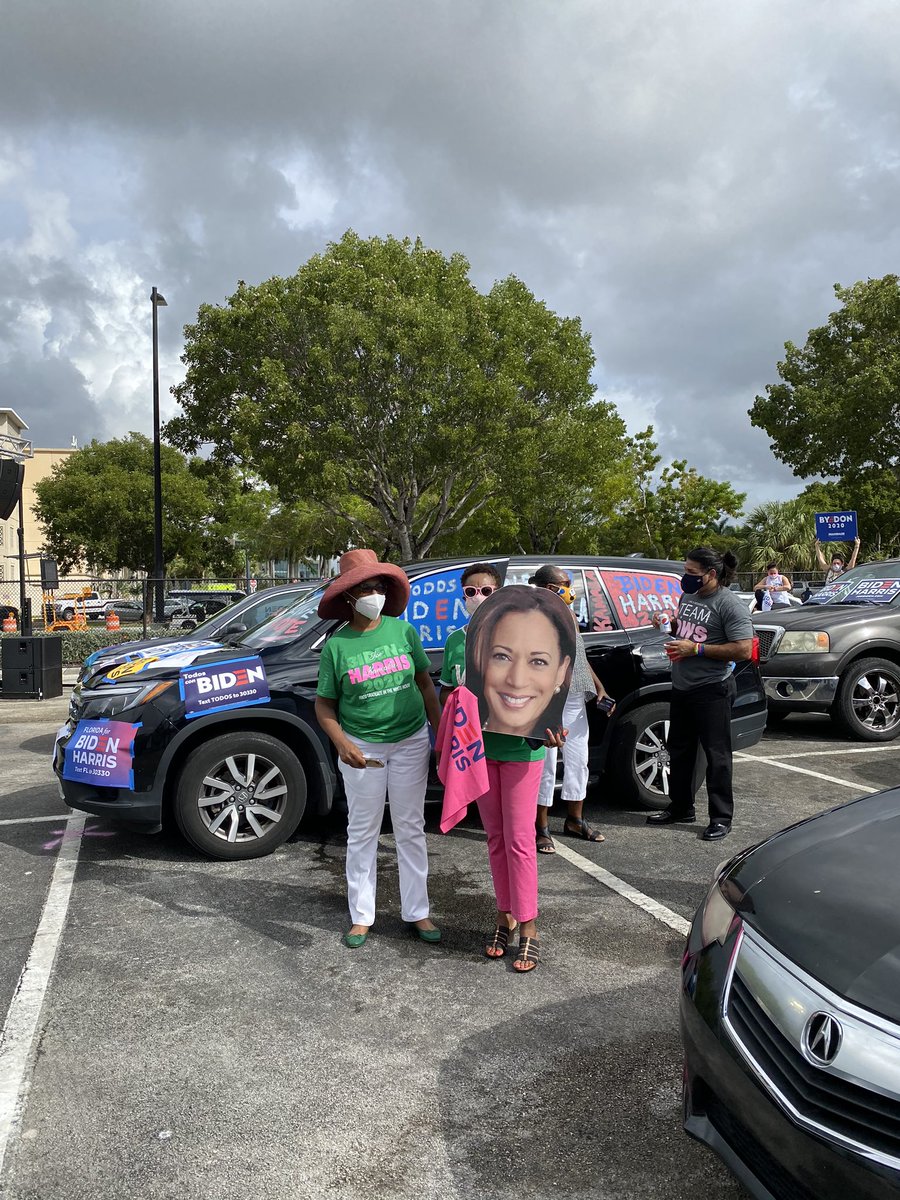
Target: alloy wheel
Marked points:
651	758
242	797
876	700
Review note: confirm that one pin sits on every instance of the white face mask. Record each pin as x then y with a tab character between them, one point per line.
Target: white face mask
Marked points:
369	606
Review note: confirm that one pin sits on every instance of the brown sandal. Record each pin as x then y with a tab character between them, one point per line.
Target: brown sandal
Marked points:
527	956
582	830
544	841
500	940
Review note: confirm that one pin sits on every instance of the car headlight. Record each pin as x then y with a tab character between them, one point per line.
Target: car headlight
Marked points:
110	701
796	641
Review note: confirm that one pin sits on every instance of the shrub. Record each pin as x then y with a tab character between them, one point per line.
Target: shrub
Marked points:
77	645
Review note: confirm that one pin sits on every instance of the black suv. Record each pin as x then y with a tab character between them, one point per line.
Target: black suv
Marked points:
225	735
839	653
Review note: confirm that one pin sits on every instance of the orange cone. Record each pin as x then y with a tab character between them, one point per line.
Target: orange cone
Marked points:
9	623
112	620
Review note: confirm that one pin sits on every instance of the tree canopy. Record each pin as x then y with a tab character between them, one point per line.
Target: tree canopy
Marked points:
379	382
97	508
837	409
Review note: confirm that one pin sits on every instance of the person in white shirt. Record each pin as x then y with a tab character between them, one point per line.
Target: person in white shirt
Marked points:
773	589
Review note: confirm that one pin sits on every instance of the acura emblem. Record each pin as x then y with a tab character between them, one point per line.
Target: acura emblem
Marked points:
822	1038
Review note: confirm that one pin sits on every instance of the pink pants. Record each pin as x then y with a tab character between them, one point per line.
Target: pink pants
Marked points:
508	812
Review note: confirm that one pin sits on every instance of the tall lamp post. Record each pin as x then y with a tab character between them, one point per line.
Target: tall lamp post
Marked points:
157	301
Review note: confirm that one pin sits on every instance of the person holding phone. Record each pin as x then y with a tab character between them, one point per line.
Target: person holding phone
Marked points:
584	686
375	701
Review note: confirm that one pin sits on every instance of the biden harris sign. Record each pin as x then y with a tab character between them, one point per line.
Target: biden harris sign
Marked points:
217	686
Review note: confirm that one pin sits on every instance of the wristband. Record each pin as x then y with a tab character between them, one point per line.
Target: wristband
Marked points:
699	646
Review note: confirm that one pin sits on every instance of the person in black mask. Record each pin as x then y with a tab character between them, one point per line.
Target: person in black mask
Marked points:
711	632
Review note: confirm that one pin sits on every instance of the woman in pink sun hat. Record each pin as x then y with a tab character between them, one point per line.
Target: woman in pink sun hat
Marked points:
375	701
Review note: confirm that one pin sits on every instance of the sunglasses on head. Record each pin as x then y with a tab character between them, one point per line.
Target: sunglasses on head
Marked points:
470	591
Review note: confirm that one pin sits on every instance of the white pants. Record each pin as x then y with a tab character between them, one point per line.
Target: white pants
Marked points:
575	756
404	776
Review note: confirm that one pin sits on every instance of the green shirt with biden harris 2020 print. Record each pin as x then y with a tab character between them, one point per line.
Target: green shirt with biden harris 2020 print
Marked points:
371	675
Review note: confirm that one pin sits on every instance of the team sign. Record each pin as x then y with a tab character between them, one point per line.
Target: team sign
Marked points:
836	526
230	684
101	753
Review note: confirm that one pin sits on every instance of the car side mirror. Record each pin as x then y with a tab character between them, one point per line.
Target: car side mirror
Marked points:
237	628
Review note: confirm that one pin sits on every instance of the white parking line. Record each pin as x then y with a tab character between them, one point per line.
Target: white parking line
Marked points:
774	762
615	884
819	753
19	1038
32	820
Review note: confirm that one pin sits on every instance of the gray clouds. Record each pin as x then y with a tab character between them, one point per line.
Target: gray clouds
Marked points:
689	178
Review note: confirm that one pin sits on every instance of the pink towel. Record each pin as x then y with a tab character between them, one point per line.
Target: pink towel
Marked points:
462	766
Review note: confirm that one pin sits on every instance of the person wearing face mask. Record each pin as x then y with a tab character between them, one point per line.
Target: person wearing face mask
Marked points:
712	630
478	581
585	686
772	590
375	701
837	566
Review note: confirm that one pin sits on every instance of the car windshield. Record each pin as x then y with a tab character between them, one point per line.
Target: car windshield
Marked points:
875	583
285	626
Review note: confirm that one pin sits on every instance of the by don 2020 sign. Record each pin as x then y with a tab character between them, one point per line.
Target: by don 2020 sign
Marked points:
836	526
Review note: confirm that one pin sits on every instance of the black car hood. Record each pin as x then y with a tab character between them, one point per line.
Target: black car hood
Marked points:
159	658
825	893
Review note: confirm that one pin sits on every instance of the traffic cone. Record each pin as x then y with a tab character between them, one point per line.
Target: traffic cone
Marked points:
112	620
9	623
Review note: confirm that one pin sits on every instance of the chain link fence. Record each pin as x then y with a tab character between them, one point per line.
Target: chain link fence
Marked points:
142	607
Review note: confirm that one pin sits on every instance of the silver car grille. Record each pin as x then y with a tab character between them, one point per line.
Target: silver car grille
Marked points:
771	1007
769	637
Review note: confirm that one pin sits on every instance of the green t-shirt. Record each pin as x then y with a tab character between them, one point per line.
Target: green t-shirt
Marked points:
500	747
371	675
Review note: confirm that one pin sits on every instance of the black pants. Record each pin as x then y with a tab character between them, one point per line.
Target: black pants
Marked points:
701	719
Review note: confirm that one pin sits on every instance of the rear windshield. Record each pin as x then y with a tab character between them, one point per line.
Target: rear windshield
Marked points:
875	583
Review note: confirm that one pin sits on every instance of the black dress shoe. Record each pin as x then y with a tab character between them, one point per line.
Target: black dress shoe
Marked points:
667	817
714	831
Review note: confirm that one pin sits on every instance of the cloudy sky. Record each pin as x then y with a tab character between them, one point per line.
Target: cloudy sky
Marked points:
690	178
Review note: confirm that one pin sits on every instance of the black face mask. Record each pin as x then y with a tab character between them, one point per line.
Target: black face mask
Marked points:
691	584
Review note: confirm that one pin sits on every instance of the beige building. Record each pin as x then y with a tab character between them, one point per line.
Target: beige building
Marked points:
36	468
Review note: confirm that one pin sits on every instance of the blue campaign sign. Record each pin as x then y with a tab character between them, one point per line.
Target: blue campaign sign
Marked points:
436	607
836	526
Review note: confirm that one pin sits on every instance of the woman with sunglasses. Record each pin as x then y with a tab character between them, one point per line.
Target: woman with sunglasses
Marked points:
375	700
585	686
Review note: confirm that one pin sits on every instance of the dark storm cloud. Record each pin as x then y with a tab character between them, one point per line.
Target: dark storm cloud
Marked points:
689	178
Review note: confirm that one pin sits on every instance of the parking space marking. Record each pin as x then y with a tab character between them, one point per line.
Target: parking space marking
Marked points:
18	1039
774	762
32	820
615	884
819	753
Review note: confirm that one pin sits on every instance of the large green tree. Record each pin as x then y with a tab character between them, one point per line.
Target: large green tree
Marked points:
378	381
671	510
781	531
97	509
837	410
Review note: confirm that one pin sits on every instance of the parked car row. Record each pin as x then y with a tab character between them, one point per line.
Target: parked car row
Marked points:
272	731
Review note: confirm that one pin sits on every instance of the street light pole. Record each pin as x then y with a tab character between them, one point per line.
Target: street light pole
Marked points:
158	562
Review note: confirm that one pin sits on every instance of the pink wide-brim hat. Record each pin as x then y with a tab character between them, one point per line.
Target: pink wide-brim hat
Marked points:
356	567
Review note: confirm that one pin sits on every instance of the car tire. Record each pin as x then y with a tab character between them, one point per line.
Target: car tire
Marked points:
67	614
235	827
640	760
867	704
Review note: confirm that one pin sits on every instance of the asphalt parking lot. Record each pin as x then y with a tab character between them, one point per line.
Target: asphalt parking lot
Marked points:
204	1033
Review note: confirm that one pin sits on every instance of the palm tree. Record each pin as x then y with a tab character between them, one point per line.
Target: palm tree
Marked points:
781	531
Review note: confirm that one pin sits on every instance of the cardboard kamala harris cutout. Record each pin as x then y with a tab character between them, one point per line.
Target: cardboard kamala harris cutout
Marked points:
520	650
